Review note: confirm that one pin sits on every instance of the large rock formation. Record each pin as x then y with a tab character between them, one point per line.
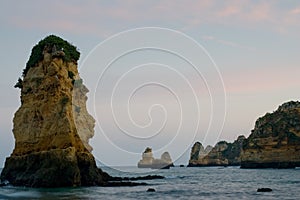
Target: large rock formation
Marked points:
52	127
275	140
222	154
148	161
198	151
195	152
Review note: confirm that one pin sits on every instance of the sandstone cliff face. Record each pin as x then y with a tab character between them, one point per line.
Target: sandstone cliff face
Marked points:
195	152
206	151
199	152
275	140
52	128
148	161
222	154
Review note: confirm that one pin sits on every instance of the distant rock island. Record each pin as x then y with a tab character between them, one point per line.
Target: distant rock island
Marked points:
222	154
275	140
148	161
273	143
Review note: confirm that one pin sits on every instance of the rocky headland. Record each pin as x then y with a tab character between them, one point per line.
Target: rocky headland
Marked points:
148	161
222	154
52	126
275	140
273	143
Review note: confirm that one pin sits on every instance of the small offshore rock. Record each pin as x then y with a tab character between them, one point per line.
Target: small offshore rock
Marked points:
151	190
148	177
148	161
122	184
264	190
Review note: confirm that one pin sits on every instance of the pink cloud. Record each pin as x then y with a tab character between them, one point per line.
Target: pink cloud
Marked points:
230	10
105	18
227	42
263	80
295	11
261	12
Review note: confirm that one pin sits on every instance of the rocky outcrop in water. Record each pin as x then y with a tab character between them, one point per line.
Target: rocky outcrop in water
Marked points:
52	126
275	140
148	161
198	151
222	154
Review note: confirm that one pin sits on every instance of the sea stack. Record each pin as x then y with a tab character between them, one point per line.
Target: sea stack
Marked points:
222	154
275	140
52	126
148	161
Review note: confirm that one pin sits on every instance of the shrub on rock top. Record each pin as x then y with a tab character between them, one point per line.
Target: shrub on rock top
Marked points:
70	51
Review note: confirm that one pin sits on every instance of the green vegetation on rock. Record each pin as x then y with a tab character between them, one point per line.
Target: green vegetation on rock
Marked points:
274	142
70	51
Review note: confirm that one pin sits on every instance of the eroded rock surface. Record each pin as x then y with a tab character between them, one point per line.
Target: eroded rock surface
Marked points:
275	140
148	161
52	126
222	154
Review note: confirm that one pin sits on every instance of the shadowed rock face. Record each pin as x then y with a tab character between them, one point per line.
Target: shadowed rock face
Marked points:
195	152
52	128
198	152
222	154
275	140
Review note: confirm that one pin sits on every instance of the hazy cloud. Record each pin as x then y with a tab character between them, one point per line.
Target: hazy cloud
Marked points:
106	18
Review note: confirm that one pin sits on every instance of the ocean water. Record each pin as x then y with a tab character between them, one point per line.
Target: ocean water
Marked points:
180	183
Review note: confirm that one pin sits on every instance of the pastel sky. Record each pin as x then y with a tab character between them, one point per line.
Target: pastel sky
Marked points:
255	45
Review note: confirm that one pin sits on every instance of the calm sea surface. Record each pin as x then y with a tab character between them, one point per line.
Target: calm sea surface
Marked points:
181	183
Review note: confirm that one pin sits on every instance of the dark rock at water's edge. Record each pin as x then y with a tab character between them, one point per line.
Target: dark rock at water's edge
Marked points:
156	166
274	165
209	165
112	181
151	190
275	140
264	190
161	166
148	177
122	184
2	184
55	168
222	154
